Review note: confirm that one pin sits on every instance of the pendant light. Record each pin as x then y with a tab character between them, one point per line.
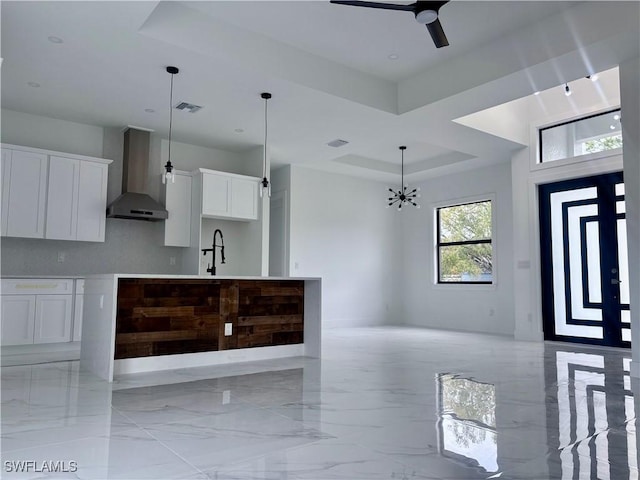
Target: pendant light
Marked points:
168	174
265	185
403	196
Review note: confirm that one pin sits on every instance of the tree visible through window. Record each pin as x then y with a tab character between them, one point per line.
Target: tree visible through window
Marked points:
465	253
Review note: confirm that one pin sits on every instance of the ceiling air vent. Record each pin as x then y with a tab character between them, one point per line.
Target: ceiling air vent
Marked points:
190	107
337	143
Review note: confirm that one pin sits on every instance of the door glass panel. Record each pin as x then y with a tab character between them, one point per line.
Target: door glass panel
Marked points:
570	216
594	277
625	316
624	261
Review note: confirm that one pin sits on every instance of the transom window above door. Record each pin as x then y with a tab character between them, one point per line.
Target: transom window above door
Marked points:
593	134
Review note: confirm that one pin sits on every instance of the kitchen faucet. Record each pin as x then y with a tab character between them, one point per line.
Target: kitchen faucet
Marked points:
212	269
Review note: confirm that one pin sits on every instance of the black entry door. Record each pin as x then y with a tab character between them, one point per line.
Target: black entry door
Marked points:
583	245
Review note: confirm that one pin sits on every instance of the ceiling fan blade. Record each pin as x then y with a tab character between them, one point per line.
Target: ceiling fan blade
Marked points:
384	6
437	34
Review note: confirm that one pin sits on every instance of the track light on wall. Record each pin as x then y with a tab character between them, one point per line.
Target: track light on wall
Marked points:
265	184
168	174
403	196
567	90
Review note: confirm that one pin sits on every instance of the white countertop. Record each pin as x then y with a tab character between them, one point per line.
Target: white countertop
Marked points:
45	277
193	277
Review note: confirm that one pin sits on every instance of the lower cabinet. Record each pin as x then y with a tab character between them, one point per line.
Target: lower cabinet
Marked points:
53	319
31	316
78	305
18	319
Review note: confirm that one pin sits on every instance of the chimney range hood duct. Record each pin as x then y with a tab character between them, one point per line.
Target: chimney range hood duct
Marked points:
134	204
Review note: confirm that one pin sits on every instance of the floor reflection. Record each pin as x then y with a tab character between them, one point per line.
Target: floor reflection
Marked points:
594	416
590	419
467	424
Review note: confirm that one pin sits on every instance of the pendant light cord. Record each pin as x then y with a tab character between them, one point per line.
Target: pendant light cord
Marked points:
266	129
170	117
402	169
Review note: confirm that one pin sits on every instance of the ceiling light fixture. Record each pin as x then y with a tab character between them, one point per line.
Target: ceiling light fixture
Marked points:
403	196
149	110
265	181
33	84
567	90
616	117
537	92
168	174
393	56
593	77
54	39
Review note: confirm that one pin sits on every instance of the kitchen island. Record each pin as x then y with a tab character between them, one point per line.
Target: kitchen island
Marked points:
141	323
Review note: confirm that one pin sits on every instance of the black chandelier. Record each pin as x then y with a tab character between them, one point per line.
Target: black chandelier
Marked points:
403	196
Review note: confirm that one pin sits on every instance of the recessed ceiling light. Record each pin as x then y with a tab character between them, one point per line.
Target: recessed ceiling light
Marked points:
54	39
239	130
593	77
616	117
612	127
536	92
149	110
393	56
33	84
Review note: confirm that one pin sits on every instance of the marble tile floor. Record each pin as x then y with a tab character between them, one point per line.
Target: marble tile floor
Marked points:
382	403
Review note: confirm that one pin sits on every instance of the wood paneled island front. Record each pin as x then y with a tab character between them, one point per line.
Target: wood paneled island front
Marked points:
141	323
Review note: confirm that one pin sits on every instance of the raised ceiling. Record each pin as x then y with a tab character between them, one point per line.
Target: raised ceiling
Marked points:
327	66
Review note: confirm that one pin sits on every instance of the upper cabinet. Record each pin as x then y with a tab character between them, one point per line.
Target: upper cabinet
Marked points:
177	228
53	195
229	196
24	187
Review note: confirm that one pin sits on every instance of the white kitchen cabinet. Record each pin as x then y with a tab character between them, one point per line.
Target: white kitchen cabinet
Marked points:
18	314
36	311
244	198
78	305
76	200
177	228
71	189
92	201
24	187
62	198
216	195
229	196
53	318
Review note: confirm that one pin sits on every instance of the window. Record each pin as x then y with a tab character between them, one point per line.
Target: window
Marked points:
464	247
592	134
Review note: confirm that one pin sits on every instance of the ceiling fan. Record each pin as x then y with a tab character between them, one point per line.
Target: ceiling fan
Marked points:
425	13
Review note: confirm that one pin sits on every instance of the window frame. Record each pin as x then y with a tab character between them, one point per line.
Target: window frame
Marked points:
490	241
582	157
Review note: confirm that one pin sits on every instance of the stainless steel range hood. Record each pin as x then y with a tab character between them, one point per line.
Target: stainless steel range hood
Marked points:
134	203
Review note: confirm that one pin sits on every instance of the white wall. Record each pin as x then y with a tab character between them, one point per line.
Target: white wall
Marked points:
630	88
341	231
478	308
51	134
